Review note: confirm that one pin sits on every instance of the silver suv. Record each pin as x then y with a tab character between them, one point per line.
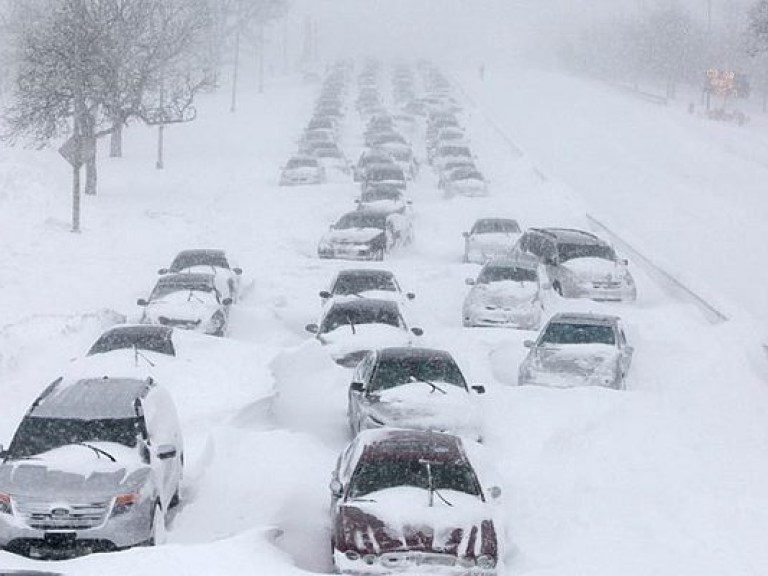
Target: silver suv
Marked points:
94	466
579	264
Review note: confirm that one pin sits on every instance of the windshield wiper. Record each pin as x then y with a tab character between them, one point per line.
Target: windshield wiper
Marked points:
434	386
195	296
98	450
351	323
137	355
432	490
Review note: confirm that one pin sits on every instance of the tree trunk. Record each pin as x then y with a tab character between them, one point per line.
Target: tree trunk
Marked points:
116	141
88	130
91	176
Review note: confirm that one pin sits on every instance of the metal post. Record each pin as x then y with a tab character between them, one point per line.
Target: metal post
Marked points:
233	105
261	58
76	199
160	140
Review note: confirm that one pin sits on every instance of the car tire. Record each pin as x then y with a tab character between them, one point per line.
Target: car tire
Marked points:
157	534
221	329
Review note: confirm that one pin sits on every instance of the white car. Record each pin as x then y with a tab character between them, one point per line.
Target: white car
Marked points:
208	261
365	283
332	158
188	301
351	328
385	199
416	388
507	293
364	235
465	181
302	170
490	238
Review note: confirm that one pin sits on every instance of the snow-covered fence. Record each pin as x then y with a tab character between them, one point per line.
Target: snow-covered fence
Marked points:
666	280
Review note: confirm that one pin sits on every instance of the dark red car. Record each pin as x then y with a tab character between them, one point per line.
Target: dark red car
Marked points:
403	499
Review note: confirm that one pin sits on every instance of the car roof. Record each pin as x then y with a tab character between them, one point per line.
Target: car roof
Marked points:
494	220
571	235
364	304
585	318
91	398
202	252
411	444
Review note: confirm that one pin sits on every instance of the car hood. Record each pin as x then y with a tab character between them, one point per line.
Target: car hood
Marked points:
178	306
385	206
352	235
416	405
581	360
75	470
301	172
494	240
505	293
343	341
400	518
596	269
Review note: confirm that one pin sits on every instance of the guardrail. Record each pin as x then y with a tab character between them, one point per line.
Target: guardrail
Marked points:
668	282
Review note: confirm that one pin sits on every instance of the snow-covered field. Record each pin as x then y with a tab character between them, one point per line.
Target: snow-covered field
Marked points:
667	478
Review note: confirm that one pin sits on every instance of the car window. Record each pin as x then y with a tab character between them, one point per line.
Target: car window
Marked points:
506	273
342	316
188	260
126	339
372	475
575	333
567	252
392	372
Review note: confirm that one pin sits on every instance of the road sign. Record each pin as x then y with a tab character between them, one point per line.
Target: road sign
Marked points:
78	150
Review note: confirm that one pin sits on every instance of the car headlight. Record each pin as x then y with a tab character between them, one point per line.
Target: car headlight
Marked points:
5	504
124	503
486	561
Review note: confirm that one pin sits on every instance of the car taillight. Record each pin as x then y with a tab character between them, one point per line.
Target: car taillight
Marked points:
5	504
124	502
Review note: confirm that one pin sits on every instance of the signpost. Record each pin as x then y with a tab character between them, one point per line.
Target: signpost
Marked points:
77	151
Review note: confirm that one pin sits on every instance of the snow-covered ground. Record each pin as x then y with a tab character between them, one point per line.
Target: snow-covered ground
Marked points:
667	478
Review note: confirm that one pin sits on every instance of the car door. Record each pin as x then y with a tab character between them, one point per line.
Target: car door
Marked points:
163	432
357	400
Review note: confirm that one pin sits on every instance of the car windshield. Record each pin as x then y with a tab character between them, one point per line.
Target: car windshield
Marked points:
163	289
120	340
361	220
455	151
188	260
392	372
567	252
573	333
294	163
377	474
496	227
358	283
375	194
38	435
342	316
384	174
506	273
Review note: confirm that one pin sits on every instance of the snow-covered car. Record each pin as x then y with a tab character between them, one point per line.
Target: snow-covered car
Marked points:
378	174
578	350
351	328
579	264
371	157
413	387
386	137
312	138
94	466
405	501
464	182
302	170
364	235
444	137
208	261
332	158
365	283
450	152
189	301
490	238
137	338
383	198
507	293
403	156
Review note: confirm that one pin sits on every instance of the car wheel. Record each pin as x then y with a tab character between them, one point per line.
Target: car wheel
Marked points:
221	324
157	535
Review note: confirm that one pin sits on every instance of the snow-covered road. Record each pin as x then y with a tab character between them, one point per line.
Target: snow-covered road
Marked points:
667	478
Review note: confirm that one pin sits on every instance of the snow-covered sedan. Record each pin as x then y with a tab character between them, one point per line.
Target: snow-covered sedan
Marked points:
94	466
383	198
351	328
403	156
464	181
448	152
405	501
507	293
579	264
490	238
413	387
363	235
332	158
208	261
365	283
578	350
378	174
302	170
371	157
188	301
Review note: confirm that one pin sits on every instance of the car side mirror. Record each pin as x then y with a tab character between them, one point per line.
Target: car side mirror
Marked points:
465	234
166	451
337	489
312	328
494	492
479	388
470	281
529	343
357	387
227	301
410	295
325	295
417	331
237	271
142	302
162	271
